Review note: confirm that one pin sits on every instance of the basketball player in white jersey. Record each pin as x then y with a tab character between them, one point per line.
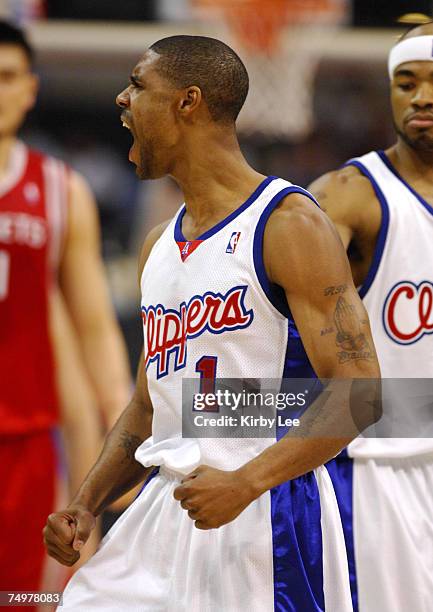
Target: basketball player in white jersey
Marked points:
382	205
236	285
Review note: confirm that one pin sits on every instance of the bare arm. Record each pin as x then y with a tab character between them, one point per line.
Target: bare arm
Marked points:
348	198
116	470
81	426
344	195
331	191
80	419
83	283
304	256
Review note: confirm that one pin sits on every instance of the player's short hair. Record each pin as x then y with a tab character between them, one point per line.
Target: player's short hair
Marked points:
209	64
11	35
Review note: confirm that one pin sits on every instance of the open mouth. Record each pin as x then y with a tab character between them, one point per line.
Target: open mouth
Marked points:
126	125
124	120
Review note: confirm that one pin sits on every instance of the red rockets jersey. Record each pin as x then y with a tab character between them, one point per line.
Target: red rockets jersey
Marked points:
33	207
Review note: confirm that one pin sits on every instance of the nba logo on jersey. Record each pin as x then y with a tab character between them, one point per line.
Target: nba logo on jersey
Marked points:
233	242
186	249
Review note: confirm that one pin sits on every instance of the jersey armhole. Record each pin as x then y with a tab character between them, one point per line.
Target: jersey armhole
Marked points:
273	292
383	231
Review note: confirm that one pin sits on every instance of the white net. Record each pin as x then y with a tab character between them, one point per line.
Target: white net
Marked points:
280	101
281	49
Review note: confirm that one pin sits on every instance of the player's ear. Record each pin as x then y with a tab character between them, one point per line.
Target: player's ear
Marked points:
190	101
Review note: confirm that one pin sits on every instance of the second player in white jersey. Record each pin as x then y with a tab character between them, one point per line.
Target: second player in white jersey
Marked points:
384	485
382	205
398	295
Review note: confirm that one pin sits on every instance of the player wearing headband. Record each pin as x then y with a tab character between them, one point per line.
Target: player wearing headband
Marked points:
382	205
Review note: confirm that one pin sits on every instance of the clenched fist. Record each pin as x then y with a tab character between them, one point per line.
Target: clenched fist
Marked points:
214	497
66	532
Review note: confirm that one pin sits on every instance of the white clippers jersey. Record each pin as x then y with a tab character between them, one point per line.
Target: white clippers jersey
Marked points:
207	312
398	294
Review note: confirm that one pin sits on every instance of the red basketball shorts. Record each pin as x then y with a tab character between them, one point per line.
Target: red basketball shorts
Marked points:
28	466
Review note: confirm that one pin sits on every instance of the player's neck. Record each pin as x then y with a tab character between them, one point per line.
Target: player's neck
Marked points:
217	180
6	145
415	165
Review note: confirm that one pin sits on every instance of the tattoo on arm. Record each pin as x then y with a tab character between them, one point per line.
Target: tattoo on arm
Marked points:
326	331
334	290
349	337
129	442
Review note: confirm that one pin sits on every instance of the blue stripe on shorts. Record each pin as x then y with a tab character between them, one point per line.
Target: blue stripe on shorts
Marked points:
297	546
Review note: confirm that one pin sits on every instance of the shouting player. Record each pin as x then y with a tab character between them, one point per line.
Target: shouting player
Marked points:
236	285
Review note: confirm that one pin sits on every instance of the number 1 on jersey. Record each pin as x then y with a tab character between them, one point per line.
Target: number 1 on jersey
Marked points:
207	366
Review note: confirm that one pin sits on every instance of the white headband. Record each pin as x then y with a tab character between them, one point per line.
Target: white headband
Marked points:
416	49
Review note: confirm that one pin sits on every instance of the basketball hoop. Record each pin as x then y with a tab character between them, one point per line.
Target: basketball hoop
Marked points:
277	40
256	28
